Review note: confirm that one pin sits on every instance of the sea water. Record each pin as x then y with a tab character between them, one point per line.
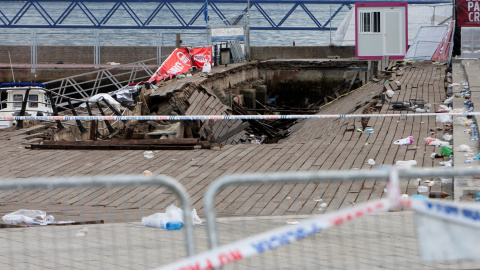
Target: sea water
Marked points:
152	37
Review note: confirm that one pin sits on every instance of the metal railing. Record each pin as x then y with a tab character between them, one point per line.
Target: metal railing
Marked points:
96	39
385	240
55	16
251	228
106	245
105	80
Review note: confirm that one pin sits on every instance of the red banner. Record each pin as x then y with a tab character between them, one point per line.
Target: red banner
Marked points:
468	13
200	56
177	63
443	50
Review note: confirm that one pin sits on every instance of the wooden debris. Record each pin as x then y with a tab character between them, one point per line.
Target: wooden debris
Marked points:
163	144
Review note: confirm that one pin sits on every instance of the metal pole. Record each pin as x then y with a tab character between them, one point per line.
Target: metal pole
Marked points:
11	66
454	10
163	44
330	24
97	49
178	41
33	52
248	55
159	50
24	108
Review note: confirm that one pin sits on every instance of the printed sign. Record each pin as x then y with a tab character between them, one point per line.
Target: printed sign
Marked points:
443	50
177	63
468	13
227	34
200	56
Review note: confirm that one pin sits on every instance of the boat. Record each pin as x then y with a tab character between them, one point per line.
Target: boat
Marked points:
37	103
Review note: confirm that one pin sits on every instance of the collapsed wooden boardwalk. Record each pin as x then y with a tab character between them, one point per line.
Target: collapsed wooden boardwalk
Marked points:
314	145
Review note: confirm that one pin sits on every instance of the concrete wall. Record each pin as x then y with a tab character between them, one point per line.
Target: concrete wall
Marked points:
130	54
124	55
301	52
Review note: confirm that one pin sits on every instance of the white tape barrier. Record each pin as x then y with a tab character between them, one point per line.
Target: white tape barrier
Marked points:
463	213
275	238
224	117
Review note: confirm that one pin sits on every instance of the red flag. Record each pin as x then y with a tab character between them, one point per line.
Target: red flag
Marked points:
177	63
201	55
443	49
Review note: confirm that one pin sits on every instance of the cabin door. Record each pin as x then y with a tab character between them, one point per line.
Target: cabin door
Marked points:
394	30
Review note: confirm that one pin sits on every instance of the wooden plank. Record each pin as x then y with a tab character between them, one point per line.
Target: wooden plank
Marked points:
194	103
198	107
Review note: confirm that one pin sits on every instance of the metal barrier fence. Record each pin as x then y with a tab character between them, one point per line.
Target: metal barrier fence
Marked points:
470	46
310	241
386	241
88	243
96	39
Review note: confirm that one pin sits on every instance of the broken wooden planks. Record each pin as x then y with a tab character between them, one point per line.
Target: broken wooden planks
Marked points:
162	144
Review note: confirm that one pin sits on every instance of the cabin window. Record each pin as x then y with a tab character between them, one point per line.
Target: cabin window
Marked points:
17	99
370	22
33	98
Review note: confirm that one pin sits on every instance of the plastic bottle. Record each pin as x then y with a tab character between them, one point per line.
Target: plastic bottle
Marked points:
422	189
173	225
478	198
148	154
473	132
369	130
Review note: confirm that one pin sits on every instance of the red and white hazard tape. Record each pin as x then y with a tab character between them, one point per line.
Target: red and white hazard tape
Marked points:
275	238
468	214
223	117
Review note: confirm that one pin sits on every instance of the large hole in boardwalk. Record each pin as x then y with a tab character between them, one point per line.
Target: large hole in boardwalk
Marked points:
267	88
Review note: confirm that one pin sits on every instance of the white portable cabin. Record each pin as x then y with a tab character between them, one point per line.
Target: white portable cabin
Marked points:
381	29
37	101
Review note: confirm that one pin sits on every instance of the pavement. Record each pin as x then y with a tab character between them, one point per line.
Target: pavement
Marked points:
380	241
386	240
465	71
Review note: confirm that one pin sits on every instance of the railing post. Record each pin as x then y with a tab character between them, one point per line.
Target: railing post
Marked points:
97	133
96	50
159	48
79	123
23	109
54	110
107	123
33	53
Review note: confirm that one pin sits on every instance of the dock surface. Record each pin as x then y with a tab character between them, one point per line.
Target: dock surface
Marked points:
386	240
314	145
